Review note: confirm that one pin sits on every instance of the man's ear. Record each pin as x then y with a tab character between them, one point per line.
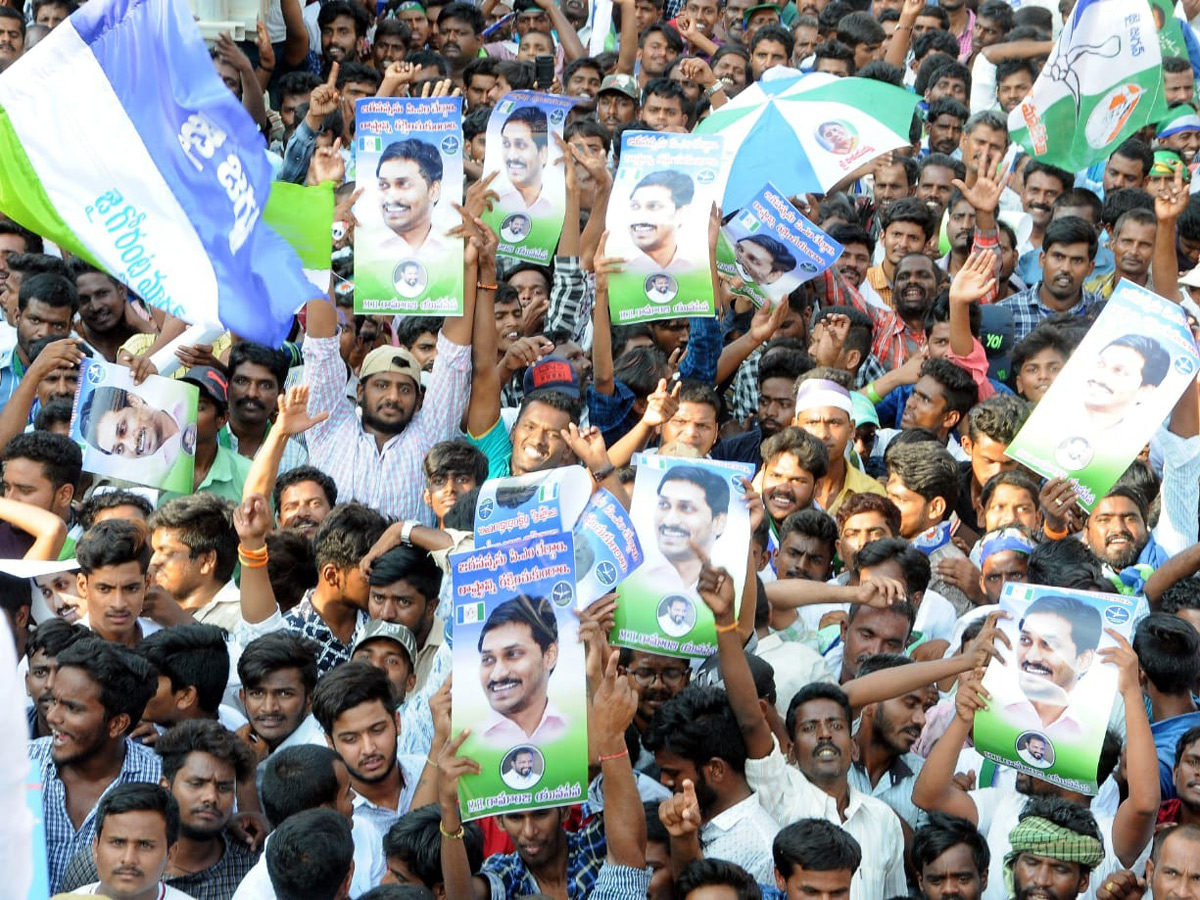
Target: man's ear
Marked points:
551	656
966	443
81	584
118	725
64	495
1084	661
937	508
850	360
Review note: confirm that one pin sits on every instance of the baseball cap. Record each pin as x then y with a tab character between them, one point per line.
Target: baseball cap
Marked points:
394	631
997	331
864	410
622	84
551	374
211	381
755	8
391	360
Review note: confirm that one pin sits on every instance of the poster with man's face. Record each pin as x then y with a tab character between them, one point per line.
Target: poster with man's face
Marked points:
521	147
1117	388
769	249
684	510
519	676
657	222
144	433
1052	695
410	167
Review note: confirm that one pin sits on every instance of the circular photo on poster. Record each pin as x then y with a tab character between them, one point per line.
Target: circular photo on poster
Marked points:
676	615
661	288
837	136
410	278
1074	453
522	767
1035	749
515	228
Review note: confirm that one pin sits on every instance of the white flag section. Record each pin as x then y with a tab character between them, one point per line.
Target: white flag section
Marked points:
1102	82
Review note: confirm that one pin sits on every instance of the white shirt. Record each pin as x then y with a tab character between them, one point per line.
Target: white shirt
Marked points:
165	891
796	664
742	834
224	610
787	795
502	731
433	245
369	866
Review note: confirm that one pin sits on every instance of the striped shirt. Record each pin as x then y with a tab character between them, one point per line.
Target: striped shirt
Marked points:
389	480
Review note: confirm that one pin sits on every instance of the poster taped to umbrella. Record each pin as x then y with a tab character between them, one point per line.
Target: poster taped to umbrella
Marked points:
521	147
1112	395
770	249
410	168
524	506
1051	698
144	433
519	676
657	222
678	503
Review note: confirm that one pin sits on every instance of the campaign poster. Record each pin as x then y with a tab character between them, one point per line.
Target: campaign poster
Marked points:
657	222
528	216
1170	32
607	549
1052	695
143	433
410	167
678	503
519	507
1114	392
520	682
771	249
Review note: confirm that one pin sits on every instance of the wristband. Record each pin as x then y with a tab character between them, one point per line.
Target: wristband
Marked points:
717	85
603	472
432	762
872	394
248	563
1052	534
725	629
624	753
260	553
454	836
486	287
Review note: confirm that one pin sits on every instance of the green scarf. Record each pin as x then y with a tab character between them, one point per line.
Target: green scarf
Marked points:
1042	837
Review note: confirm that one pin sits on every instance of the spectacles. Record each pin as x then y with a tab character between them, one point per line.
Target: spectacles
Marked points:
669	677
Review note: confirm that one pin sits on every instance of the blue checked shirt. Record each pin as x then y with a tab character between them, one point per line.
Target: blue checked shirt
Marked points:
586	850
63	841
306	622
1028	311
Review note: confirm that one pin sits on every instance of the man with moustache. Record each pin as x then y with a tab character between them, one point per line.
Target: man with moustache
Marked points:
655	679
524	139
951	858
1043	184
354	707
1174	864
824	410
256	377
303	497
1067	259
658	207
793	462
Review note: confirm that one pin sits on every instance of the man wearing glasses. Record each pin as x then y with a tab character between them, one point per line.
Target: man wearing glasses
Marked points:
656	679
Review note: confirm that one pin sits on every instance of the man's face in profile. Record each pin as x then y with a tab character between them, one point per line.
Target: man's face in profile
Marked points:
683	517
523	764
678	612
513	669
1046	652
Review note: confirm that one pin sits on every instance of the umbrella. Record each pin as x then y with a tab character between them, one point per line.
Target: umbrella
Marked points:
805	133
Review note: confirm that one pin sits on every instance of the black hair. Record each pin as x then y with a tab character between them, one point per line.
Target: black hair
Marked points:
204	523
1156	361
425	155
304	473
912	210
275	651
943	831
1168	650
999	417
1084	620
853	234
710	872
454	457
939	310
716	489
929	471
346	686
587	127
415	840
813	523
698	724
519	73
958	387
298	778
53	290
947	106
102	500
667	30
114	542
291	566
357	72
779	35
815	845
126	680
1188	738
882	70
860	28
1137	216
346	534
397	892
337	8
53	636
310	855
782	362
33	241
816	690
811	454
1136	149
298	83
1044	337
274	361
1071	230
410	564
913	563
535	612
203	736
56	412
139	796
386	26
935	41
1183	594
997	11
191	655
60	457
1066	564
464	12
942	161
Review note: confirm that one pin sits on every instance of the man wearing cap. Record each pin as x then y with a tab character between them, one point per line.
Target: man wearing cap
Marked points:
1003	557
377	459
824	409
617	101
219	470
391	648
1180	131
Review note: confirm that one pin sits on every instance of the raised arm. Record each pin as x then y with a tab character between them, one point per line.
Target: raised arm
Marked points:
1169	205
295	42
252	519
935	789
974	281
897	51
628	47
603	381
293	419
567	36
1133	825
457	876
763	325
48	530
613	706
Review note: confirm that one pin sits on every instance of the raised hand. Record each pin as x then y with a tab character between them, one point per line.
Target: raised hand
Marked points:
293	417
253	521
662	405
680	813
525	352
985	646
323	100
699	71
975	280
327	164
266	52
1126	661
970	696
766	321
1172	198
605	265
588	446
614	701
986	183
881	592
715	587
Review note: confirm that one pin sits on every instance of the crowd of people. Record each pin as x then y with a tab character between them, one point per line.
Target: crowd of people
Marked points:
245	691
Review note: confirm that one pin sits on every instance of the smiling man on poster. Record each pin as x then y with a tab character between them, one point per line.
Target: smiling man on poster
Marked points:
518	650
410	185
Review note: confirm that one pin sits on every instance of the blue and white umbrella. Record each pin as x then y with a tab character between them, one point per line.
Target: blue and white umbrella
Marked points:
806	133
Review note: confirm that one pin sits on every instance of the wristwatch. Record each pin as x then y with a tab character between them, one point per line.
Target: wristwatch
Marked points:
407	530
717	85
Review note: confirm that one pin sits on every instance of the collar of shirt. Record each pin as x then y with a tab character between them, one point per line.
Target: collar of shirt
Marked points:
729	819
898	769
307	732
504	727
